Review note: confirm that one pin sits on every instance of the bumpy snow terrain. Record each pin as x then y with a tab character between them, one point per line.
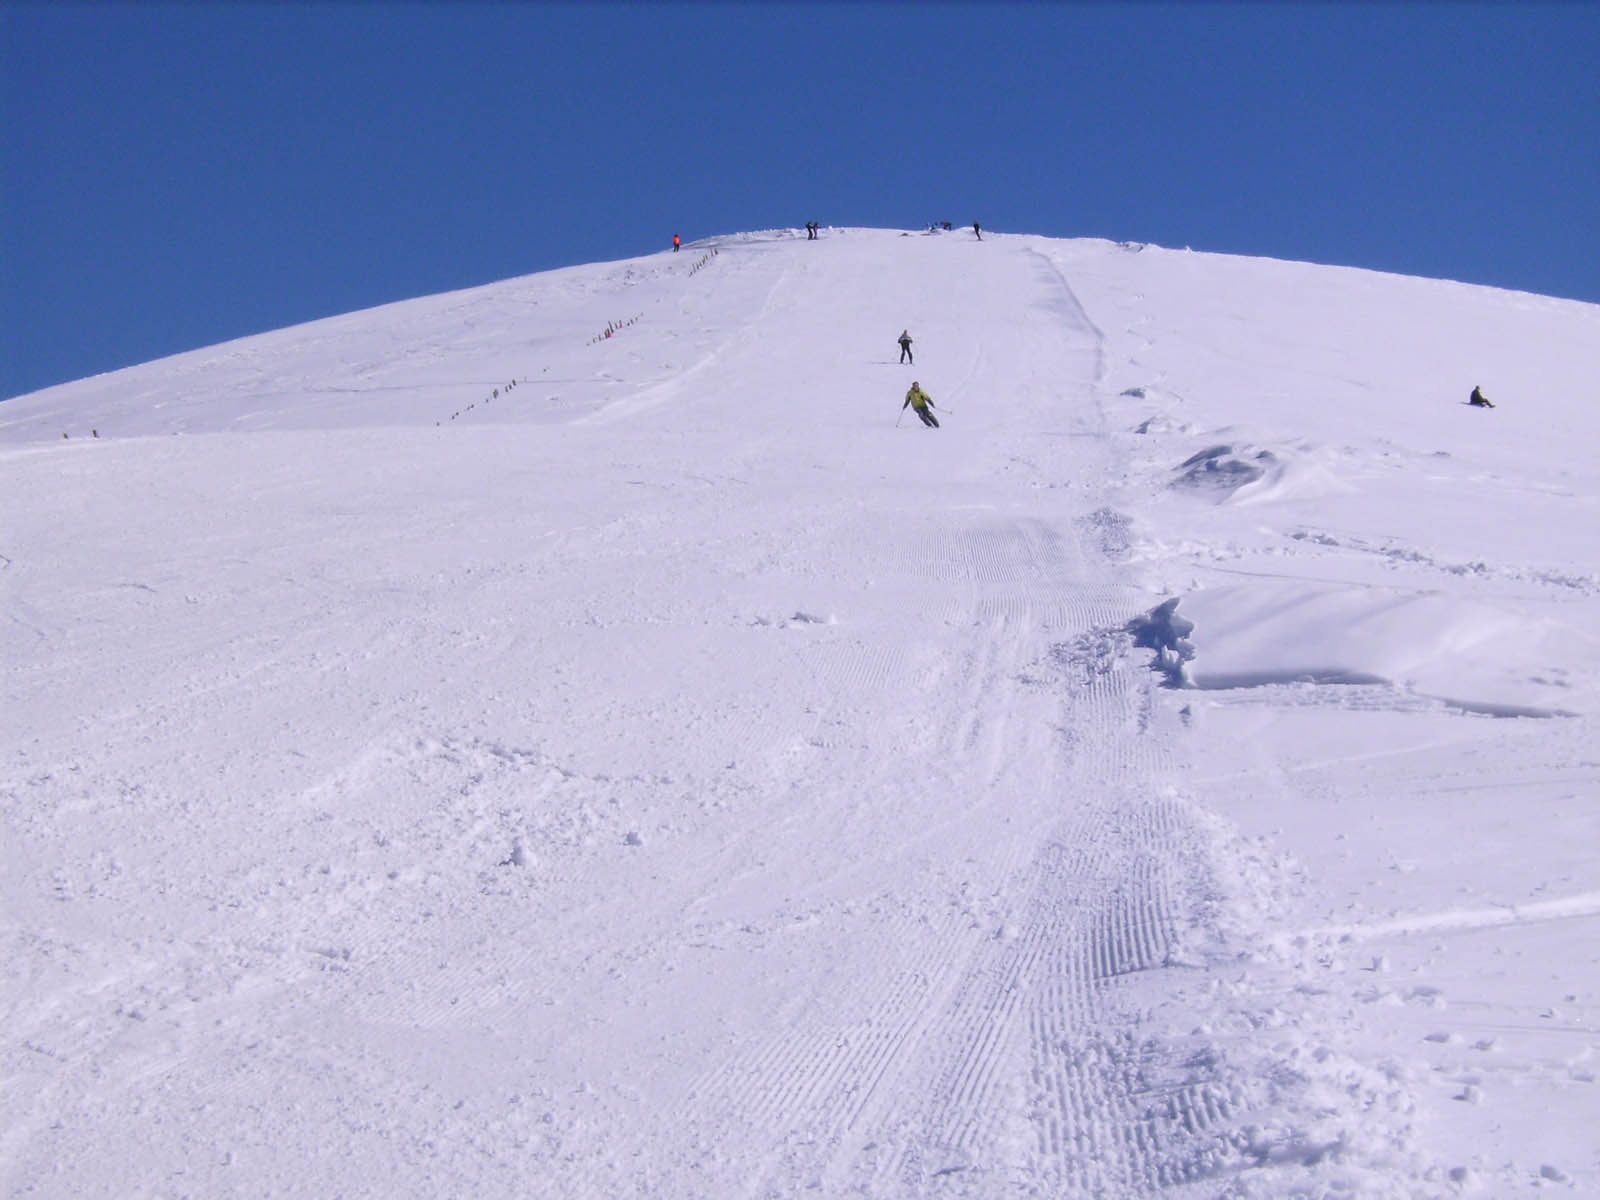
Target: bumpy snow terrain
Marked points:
578	738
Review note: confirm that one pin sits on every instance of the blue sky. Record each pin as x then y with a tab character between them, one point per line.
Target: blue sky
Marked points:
174	176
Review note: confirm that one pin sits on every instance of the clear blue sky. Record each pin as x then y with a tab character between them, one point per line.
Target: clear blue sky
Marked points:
173	176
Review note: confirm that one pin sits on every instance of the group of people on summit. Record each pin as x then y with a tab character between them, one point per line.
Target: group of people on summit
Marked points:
814	229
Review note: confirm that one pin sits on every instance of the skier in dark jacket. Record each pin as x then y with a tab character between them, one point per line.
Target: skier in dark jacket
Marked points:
1479	400
905	346
920	403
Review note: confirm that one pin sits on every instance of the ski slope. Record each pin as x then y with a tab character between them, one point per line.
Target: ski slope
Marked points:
577	738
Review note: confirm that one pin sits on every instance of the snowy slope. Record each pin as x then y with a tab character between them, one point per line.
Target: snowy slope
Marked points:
568	738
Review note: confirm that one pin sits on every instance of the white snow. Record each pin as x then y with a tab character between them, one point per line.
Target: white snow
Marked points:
487	757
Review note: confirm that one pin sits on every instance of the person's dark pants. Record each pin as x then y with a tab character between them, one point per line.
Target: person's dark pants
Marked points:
928	419
905	355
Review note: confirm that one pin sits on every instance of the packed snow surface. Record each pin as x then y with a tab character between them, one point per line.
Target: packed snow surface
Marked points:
579	738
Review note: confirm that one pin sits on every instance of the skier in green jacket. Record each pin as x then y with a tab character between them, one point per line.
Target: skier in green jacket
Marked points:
920	403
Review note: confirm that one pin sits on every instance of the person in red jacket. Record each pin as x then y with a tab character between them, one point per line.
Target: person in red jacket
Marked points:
677	243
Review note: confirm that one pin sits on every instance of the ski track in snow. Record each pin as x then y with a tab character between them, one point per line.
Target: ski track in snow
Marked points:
665	776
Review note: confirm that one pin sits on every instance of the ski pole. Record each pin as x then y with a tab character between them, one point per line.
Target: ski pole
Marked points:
901	417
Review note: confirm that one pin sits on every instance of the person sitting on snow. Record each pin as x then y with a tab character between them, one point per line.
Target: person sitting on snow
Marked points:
1479	400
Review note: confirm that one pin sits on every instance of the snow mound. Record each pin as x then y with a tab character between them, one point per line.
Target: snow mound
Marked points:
1244	474
1223	469
1473	656
1160	423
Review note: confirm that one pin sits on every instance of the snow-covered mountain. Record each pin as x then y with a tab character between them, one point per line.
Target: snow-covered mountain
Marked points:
581	737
